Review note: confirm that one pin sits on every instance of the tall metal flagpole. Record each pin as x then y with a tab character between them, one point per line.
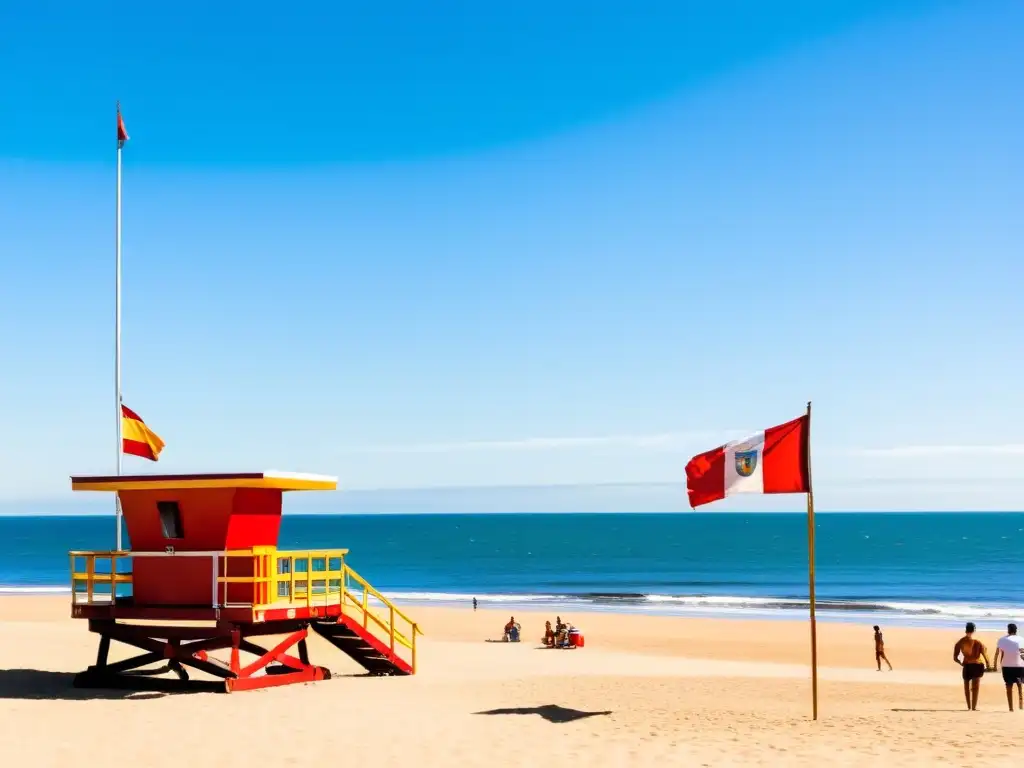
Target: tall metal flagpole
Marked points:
810	557
117	321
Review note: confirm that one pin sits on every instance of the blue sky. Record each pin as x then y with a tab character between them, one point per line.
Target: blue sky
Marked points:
508	249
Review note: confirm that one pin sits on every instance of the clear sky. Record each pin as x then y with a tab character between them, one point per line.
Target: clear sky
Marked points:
506	246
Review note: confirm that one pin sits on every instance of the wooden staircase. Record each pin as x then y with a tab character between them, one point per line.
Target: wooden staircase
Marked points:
362	646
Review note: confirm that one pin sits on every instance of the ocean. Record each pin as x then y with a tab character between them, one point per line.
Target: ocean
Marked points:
897	568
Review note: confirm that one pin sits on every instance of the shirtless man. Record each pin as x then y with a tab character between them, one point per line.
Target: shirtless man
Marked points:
973	651
880	650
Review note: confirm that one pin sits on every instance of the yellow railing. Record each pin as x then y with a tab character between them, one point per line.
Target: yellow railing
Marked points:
310	578
322	577
98	585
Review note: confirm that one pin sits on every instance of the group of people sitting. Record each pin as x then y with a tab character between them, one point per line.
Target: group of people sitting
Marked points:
559	636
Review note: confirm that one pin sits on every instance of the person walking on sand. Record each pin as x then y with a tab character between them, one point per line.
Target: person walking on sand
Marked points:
880	650
1011	652
972	650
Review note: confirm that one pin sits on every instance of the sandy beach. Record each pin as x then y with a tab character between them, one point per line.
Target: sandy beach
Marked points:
644	691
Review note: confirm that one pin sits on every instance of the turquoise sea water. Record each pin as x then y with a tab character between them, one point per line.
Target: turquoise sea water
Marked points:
940	568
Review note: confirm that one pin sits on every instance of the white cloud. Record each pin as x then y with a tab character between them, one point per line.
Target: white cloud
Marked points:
657	441
918	451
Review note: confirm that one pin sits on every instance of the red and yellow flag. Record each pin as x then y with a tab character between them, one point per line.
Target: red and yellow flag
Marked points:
138	439
122	133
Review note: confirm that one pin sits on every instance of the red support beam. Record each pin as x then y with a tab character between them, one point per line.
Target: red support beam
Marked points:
236	638
165	644
271	655
268	681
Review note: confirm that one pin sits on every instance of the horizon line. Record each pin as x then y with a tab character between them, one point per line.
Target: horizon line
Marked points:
464	513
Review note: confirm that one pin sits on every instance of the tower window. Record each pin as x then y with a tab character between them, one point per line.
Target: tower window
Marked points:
170	519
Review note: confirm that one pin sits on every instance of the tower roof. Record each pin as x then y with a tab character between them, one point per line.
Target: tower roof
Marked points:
272	479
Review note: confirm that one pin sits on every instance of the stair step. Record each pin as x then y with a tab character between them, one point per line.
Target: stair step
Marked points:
353	641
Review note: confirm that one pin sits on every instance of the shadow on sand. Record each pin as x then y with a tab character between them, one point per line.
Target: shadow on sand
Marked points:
40	684
550	712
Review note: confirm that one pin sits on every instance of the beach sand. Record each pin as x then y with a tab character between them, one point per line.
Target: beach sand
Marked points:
644	691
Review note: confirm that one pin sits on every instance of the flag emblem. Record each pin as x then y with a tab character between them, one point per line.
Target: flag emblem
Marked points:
746	462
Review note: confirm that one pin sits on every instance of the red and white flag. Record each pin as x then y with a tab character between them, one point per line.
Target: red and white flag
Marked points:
772	461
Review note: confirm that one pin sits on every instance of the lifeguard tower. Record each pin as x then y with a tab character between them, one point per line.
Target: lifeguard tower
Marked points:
204	566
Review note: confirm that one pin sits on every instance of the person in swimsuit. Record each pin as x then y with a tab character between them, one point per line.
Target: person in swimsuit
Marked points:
973	651
880	650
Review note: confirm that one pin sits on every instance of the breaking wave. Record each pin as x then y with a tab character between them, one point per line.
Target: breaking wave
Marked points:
680	605
719	604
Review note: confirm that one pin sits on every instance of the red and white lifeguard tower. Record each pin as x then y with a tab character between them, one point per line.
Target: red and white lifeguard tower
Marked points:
205	566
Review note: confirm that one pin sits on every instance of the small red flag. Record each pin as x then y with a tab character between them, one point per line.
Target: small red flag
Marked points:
122	134
772	461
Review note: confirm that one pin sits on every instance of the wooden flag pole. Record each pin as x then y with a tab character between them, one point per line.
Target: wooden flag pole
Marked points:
810	556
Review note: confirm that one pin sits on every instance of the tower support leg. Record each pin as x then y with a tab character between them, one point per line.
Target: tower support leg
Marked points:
181	648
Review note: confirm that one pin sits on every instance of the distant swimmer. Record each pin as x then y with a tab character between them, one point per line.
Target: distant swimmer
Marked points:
1011	652
973	651
880	650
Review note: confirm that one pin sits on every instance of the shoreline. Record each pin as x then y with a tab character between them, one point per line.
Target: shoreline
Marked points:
903	613
784	640
845	648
